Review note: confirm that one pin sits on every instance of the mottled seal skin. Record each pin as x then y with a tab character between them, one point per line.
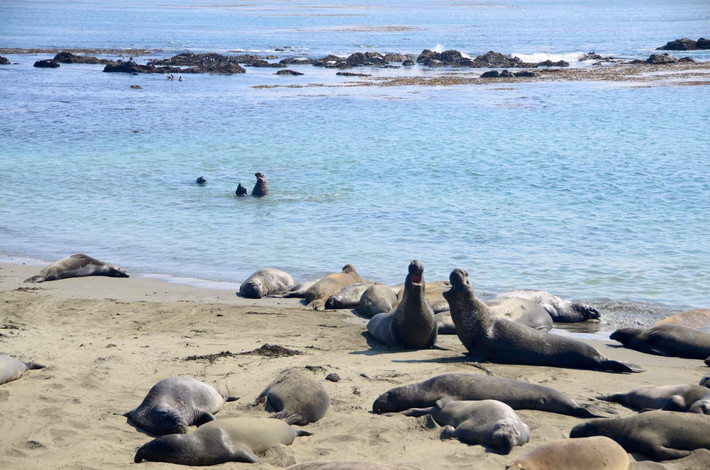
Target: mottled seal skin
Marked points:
12	369
462	386
697	318
77	265
588	453
376	299
505	342
561	310
328	285
296	398
690	398
264	282
261	188
521	311
175	403
225	440
488	422
660	435
343	465
348	296
241	190
666	340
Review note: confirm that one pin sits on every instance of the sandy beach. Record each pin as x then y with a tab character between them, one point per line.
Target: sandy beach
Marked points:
106	341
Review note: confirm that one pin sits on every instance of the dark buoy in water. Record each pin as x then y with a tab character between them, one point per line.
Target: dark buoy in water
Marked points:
241	190
201	180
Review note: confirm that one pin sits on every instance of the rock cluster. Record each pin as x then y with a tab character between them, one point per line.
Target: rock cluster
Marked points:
686	44
181	63
47	64
491	59
69	58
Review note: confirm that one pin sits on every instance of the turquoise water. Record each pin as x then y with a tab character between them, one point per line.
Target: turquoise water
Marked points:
594	191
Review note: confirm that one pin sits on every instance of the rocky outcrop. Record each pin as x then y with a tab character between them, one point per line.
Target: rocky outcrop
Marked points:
296	61
661	59
703	44
352	74
395	57
493	59
685	44
4	60
207	63
508	74
47	64
69	58
288	72
549	63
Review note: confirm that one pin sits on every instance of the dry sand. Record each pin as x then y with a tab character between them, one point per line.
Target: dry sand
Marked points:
106	341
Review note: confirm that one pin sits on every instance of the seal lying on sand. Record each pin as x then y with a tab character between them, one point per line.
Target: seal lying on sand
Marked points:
225	440
705	381
348	296
697	318
296	398
77	265
261	188
433	292
266	281
376	299
666	340
561	310
692	398
462	386
12	369
496	340
588	453
661	435
321	290
343	465
487	422
518	310
175	403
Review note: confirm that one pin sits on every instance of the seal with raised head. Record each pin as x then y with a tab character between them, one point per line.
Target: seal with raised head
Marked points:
463	386
201	180
660	435
376	299
561	310
588	453
175	403
488	422
691	398
264	282
77	265
296	398
261	188
241	190
666	340
412	323
343	465
433	291
12	369
321	290
225	440
348	296
497	340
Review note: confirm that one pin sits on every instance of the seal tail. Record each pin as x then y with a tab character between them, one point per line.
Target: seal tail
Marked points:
611	365
588	410
34	365
34	279
231	398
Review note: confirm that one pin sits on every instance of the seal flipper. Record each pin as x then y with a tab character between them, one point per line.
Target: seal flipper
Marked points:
289	418
589	410
303	432
442	402
34	365
241	455
35	279
230	398
417	412
203	417
611	365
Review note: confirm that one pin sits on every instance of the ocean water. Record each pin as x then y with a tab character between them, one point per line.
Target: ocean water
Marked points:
595	191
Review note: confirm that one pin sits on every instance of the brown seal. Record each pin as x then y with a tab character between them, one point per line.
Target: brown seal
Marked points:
320	291
77	265
588	453
296	398
261	188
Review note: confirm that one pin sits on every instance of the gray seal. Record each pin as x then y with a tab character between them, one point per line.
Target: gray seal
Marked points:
225	440
261	188
505	342
588	453
691	398
12	369
175	403
666	340
264	282
463	386
660	435
77	265
321	290
705	381
561	310
348	296
296	398
376	299
488	422
241	190
522	311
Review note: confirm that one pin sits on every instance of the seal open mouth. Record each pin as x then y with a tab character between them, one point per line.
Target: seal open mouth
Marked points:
416	278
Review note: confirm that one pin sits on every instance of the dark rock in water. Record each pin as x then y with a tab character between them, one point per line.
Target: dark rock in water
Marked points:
661	59
288	72
264	64
525	73
408	63
203	63
684	44
490	74
69	58
352	74
201	180
47	64
136	87
331	61
4	60
452	57
703	44
296	60
493	59
428	55
130	67
395	57
507	74
241	190
686	59
272	57
549	63
365	58
590	56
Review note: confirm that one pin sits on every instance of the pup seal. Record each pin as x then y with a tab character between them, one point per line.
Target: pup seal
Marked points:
225	440
376	299
496	340
175	403
77	265
462	386
348	296
692	398
661	435
261	188
241	190
321	290
666	340
12	369
561	310
296	398
266	281
487	422
589	453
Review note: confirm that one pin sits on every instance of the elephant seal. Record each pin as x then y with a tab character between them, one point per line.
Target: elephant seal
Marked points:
261	188
376	299
691	398
561	310
463	386
444	323
175	403
699	458
321	290
412	323
505	342
433	292
660	435
225	440
521	311
343	465
201	180
241	190
488	422
266	281
296	398
348	296
666	340
697	318
705	381
588	453
77	265
12	369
